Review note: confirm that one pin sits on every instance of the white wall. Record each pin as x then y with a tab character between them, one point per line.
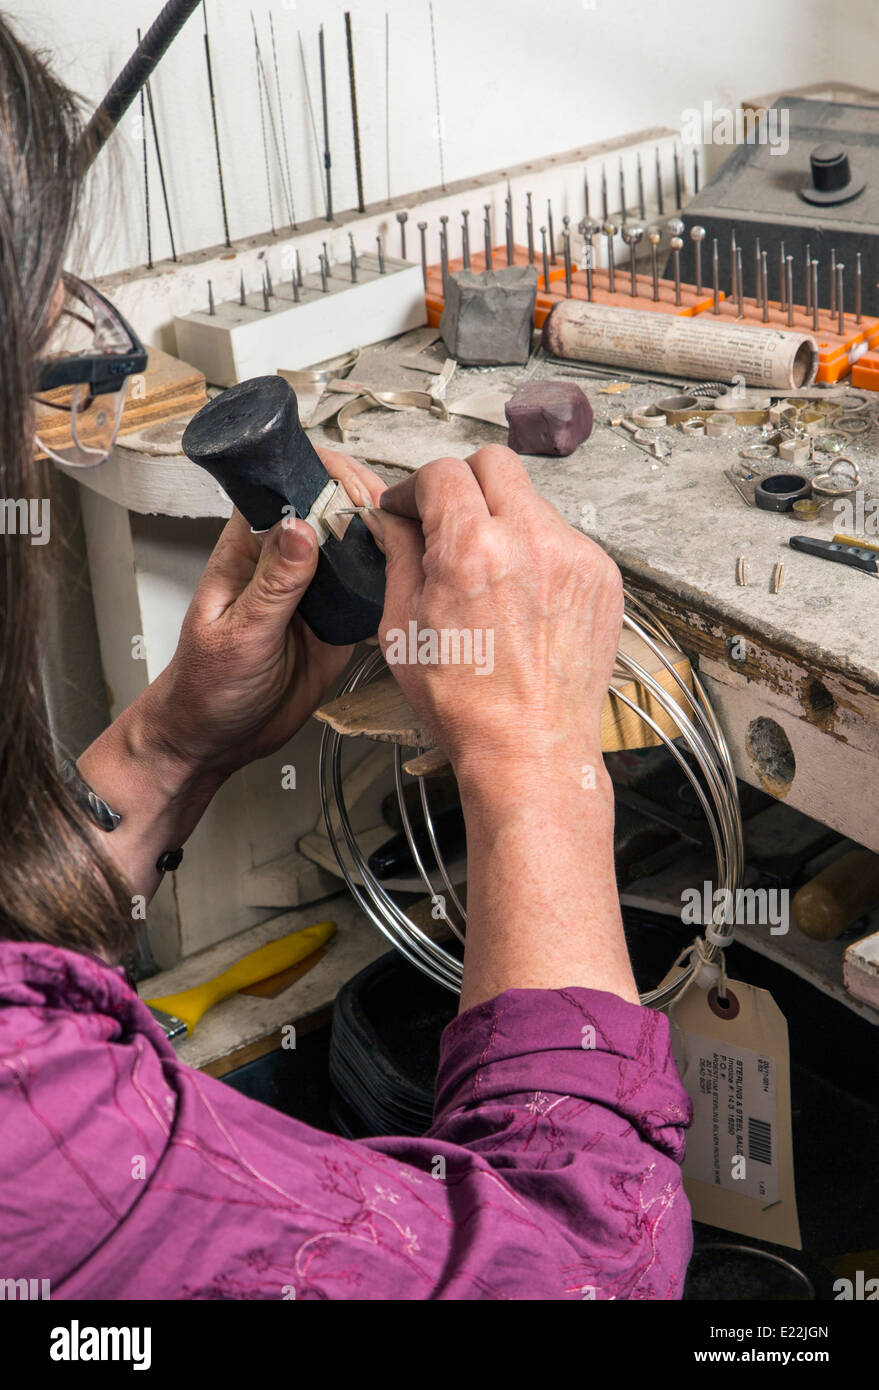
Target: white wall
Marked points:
517	81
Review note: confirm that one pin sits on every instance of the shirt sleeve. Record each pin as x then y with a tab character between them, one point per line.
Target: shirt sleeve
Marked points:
559	1133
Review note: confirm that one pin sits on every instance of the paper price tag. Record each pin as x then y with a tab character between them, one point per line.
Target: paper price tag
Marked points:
734	1063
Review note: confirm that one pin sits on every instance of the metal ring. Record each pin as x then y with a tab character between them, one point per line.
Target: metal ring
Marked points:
759	451
852	424
719	425
695	425
713	780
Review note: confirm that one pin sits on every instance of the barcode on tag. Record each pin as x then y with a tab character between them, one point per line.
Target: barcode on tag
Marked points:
759	1140
734	1094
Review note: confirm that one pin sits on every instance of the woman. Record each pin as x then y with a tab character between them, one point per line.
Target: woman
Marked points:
552	1167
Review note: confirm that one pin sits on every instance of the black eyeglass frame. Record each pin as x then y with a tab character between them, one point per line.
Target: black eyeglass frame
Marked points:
102	371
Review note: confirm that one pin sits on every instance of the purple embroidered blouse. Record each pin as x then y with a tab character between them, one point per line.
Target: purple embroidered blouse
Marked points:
551	1170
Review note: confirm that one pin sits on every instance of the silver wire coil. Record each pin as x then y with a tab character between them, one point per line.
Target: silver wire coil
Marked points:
716	791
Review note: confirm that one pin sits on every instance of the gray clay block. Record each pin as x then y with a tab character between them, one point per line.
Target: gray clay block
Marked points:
488	317
548	417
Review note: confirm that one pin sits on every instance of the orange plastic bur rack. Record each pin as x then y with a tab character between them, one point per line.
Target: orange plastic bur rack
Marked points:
622	297
865	372
837	352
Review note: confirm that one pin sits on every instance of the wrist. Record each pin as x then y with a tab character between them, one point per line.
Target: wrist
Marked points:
575	780
146	727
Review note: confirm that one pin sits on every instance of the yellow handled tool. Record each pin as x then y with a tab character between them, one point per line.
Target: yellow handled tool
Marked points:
257	965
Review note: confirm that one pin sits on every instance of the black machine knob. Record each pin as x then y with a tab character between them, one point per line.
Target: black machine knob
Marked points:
834	180
250	440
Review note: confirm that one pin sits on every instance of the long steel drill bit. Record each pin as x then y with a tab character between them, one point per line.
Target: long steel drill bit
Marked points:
858	282
323	93
586	192
439	119
659	206
808	298
388	102
282	122
789	292
146	175
355	124
149	92
642	207
677	178
550	231
529	227
262	123
740	293
814	295
207	56
832	296
603	194
310	106
695	172
624	216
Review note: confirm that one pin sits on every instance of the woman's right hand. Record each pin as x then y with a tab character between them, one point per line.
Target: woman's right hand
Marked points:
490	558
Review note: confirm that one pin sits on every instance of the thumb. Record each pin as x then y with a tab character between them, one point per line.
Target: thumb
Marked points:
283	572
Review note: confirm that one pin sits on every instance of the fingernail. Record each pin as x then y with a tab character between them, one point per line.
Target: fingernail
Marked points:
296	540
354	493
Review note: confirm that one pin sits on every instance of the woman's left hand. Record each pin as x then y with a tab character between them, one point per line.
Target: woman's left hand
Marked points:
248	672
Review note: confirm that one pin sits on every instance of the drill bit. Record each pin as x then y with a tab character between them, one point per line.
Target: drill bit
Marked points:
789	295
269	286
815	296
529	227
808	297
328	189
586	192
587	231
677	166
603	194
152	109
212	308
262	124
858	281
381	255
764	284
658	161
402	218
715	276
489	265
642	207
352	258
323	274
146	174
283	124
263	84
439	119
207	54
758	282
422	231
740	303
508	220
732	263
610	233
697	236
623	214
782	262
832	283
676	245
632	235
465	238
695	172
545	259
355	124
242	294
265	296
653	236
299	279
550	233
444	251
296	295
566	243
840	301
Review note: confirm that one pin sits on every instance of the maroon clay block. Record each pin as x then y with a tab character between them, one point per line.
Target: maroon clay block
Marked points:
548	417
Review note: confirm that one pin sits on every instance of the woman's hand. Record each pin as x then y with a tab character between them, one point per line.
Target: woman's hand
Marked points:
541	604
248	672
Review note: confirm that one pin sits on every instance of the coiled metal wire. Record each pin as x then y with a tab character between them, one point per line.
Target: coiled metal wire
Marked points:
708	768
